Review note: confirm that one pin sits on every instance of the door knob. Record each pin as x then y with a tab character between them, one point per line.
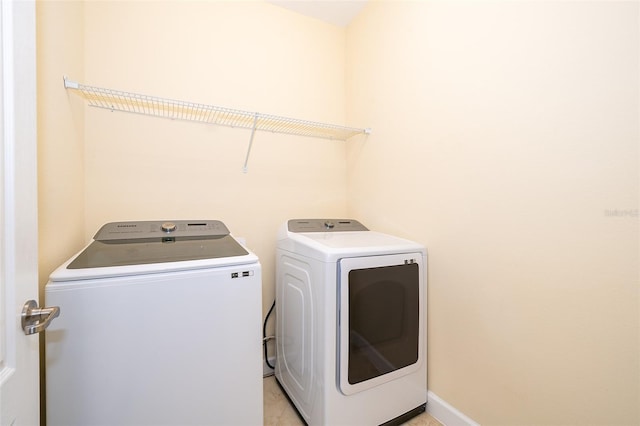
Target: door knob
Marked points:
34	319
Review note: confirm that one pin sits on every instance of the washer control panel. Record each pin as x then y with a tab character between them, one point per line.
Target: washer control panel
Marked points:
325	225
154	229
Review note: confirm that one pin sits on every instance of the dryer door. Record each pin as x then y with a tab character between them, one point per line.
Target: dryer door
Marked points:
381	319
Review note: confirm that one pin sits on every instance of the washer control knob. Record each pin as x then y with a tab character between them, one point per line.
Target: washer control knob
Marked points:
329	225
168	227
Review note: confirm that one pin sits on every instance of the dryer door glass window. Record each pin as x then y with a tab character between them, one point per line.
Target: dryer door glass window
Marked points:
380	330
383	320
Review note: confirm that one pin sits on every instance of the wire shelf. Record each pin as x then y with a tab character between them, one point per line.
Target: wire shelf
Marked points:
116	100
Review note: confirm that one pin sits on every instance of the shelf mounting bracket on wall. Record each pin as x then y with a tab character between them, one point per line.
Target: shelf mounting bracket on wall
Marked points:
115	100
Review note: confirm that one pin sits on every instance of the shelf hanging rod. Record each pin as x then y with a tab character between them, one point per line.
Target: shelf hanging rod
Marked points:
253	132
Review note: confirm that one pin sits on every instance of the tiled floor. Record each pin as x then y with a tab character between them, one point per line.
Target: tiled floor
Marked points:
279	412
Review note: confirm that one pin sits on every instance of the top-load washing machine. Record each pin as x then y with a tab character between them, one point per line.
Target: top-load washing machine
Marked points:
351	323
160	324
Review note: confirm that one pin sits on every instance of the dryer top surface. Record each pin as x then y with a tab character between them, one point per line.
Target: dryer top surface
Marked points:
332	245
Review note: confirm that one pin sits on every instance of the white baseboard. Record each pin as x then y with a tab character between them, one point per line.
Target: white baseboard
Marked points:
445	413
441	410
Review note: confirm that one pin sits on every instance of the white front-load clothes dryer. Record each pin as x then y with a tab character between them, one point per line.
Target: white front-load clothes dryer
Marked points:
160	324
351	323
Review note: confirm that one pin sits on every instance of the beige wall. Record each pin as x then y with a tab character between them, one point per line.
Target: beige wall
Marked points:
116	166
250	56
505	137
61	201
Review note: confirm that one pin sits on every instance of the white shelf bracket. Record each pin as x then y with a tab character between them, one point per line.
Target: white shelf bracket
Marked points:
245	169
68	84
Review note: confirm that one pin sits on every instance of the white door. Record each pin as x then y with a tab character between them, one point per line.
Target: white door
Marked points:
19	376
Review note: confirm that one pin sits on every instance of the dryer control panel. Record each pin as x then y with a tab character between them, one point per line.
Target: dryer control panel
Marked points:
325	225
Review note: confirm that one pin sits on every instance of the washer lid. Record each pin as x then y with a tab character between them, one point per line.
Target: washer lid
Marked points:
141	243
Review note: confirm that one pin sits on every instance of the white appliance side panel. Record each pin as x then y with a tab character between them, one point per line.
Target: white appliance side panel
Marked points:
295	338
161	349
